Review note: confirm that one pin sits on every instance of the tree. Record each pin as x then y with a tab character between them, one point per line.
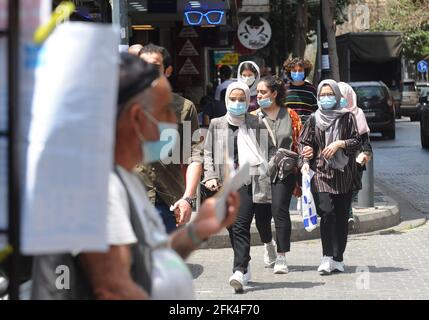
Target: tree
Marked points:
411	17
301	29
328	15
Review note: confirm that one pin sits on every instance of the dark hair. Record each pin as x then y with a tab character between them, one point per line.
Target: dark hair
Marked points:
225	71
135	76
274	83
153	48
291	63
248	66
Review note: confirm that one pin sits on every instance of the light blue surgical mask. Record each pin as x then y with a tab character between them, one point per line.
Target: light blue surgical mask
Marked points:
154	151
265	103
327	102
236	108
297	76
343	103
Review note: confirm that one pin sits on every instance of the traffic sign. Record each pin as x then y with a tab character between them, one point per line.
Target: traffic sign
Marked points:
422	66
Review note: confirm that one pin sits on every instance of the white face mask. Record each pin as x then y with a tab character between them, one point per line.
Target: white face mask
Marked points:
249	80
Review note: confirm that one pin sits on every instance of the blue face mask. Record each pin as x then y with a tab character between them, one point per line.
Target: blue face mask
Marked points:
154	151
265	103
297	76
327	102
236	108
343	103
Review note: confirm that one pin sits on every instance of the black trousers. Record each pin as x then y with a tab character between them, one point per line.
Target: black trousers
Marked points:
239	232
333	210
281	193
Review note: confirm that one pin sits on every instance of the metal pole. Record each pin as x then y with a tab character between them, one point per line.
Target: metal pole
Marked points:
120	18
366	195
319	51
13	156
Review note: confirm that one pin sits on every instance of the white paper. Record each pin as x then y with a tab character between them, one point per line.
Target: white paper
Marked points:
3	184
231	184
3	85
71	140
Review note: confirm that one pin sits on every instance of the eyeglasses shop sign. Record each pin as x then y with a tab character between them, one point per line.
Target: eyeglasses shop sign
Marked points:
254	35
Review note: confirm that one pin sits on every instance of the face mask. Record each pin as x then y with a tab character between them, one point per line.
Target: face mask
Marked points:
249	80
297	76
265	103
236	108
343	103
327	102
154	151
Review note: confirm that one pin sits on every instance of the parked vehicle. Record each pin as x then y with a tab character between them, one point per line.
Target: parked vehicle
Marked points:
424	113
410	100
376	101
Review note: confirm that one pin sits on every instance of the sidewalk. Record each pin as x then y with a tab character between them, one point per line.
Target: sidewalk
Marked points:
384	215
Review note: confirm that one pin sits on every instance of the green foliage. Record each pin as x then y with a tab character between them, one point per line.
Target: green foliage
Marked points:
411	17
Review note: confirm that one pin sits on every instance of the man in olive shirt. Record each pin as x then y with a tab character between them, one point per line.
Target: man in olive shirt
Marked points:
166	183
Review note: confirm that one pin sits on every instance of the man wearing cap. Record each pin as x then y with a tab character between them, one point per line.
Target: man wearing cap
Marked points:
142	261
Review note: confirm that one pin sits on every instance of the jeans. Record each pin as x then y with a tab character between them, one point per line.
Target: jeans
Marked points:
167	216
281	193
239	232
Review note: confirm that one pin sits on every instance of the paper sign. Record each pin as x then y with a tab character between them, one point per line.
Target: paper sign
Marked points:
71	139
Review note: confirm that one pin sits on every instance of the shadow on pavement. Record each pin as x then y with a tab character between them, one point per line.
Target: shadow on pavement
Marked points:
196	270
257	286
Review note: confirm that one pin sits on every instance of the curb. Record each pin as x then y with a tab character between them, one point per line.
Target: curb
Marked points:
367	220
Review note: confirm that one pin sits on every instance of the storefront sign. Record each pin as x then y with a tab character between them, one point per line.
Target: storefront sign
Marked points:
258	6
188	50
254	32
188	32
188	68
226	58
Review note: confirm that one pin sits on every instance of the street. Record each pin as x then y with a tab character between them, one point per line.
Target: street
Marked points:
402	165
378	266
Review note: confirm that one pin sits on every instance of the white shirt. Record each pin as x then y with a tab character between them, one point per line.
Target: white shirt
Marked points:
171	279
222	87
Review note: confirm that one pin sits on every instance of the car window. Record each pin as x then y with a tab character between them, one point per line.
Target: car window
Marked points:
424	90
409	87
369	92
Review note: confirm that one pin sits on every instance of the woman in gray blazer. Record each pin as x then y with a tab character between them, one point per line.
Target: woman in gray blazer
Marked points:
233	140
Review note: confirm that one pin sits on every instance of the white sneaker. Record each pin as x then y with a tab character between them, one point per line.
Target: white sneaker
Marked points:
326	265
270	254
237	281
247	276
338	266
280	266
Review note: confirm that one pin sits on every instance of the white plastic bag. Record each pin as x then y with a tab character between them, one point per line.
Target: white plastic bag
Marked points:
307	205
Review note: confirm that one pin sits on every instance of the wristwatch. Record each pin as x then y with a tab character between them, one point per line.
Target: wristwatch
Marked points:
190	200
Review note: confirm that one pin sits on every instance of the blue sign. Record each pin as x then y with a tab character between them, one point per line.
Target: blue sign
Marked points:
422	66
212	17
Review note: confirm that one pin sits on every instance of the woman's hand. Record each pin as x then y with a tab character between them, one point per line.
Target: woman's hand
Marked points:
330	150
363	158
212	184
305	168
307	152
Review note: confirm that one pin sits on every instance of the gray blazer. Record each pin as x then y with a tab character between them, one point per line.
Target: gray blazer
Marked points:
219	141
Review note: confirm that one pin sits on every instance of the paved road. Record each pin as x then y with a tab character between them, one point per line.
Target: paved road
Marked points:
389	266
402	164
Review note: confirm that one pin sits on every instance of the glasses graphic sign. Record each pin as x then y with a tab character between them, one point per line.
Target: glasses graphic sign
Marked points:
199	18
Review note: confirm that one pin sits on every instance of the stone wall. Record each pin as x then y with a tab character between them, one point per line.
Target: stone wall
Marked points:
362	15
